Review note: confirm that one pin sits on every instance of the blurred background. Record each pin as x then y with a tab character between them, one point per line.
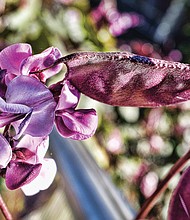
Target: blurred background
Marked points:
136	147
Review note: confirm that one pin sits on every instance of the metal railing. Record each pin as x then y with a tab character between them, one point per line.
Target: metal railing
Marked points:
90	191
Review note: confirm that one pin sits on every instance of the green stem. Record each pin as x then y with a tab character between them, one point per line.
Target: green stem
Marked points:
150	202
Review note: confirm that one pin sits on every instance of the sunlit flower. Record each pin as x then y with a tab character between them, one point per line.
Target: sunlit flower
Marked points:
25	62
76	124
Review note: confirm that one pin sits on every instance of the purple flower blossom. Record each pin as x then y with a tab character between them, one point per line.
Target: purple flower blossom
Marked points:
8	61
25	164
76	124
29	107
26	63
29	110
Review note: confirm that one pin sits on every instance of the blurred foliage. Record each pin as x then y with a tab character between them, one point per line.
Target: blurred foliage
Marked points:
136	146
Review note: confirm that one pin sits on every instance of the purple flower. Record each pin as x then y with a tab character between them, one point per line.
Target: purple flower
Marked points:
11	58
31	110
76	124
29	107
25	63
25	164
42	61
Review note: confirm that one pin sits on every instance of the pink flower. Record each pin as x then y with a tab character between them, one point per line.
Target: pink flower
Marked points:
76	124
17	59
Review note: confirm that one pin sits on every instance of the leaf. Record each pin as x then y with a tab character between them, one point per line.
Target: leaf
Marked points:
179	207
125	79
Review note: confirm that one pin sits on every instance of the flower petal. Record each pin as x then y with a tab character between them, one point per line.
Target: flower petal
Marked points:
11	112
13	108
11	58
79	124
37	145
6	118
69	97
23	155
20	173
125	79
34	94
42	61
21	125
43	180
5	152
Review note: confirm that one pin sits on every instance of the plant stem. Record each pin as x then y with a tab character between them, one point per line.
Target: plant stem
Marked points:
4	209
149	203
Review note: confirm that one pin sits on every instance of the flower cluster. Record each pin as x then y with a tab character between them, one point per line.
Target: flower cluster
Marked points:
28	110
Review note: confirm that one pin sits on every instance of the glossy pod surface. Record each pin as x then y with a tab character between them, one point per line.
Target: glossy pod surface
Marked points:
126	79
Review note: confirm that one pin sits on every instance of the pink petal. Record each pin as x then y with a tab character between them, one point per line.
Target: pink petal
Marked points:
12	56
42	61
43	180
23	155
125	79
76	124
37	145
179	207
5	152
20	173
69	97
